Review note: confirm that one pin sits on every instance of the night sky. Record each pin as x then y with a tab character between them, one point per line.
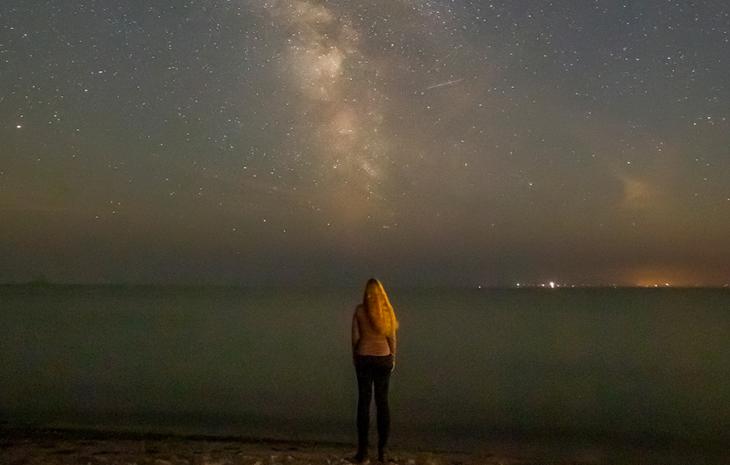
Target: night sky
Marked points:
322	142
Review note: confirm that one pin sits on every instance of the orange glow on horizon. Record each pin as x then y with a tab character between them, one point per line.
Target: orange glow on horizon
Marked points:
665	277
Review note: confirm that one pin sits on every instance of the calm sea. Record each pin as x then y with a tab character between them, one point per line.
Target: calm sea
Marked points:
473	364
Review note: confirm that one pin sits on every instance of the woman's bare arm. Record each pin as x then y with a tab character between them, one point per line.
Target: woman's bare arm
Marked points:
392	343
392	339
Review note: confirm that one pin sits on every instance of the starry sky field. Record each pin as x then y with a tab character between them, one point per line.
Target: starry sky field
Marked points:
444	142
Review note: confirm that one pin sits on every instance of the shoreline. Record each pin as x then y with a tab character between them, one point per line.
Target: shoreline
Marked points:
27	445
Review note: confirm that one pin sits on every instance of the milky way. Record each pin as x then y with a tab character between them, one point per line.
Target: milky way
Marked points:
424	142
341	117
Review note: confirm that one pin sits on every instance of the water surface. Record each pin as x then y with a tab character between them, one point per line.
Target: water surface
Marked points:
472	364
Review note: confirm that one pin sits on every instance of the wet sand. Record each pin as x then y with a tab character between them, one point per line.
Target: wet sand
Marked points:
92	447
84	447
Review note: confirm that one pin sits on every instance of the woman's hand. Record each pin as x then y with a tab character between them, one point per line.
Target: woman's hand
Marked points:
393	366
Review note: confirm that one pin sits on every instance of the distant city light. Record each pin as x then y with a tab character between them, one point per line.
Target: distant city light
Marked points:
551	284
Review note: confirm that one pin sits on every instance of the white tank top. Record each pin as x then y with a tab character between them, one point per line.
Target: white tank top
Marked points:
371	342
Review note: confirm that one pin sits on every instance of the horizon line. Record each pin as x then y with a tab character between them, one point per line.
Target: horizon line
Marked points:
541	286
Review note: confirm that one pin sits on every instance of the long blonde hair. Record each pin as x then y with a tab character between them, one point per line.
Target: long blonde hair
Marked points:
378	308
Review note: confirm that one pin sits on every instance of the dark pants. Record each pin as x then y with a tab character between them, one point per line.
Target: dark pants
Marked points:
372	370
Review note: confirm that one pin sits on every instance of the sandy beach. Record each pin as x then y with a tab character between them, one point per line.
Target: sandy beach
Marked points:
54	446
89	447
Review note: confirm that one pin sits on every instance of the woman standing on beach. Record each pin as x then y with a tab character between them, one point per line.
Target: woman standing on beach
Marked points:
374	327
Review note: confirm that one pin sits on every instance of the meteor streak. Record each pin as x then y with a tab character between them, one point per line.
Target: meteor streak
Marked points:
444	84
